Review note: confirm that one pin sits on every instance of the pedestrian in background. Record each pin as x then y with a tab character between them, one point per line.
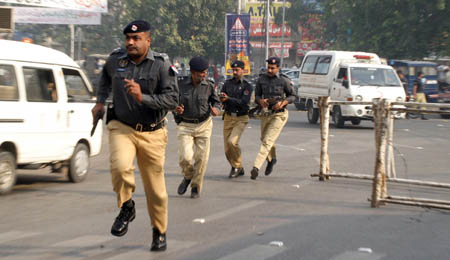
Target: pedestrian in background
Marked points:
403	80
273	92
197	102
418	91
235	96
144	89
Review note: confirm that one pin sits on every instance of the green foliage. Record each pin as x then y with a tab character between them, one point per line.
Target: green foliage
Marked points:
411	29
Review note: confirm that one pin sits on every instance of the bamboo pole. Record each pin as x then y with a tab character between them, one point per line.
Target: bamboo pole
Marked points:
410	203
416	104
324	133
445	202
390	160
379	190
346	175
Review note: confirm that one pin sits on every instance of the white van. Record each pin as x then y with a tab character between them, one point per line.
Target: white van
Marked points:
45	113
346	76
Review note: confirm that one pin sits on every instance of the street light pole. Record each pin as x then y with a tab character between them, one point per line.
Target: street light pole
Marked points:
282	35
267	28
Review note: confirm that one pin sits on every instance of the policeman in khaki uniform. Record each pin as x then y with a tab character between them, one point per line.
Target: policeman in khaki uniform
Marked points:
198	101
273	92
144	89
235	96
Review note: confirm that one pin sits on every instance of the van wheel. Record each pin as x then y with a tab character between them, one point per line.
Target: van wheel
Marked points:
337	117
7	172
356	121
313	113
79	163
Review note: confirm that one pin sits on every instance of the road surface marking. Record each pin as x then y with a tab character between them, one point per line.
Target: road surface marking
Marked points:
14	235
232	211
255	252
144	252
84	241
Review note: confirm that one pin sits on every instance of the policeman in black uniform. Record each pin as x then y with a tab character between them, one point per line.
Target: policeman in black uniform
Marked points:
144	88
235	96
273	92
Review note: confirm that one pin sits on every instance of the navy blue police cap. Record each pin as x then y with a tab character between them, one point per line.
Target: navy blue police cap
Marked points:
198	64
238	64
273	61
137	26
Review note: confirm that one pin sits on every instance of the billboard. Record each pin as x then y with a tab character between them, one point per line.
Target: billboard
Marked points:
237	41
54	16
100	6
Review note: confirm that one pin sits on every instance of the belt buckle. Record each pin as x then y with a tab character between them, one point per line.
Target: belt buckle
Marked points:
234	114
139	127
153	125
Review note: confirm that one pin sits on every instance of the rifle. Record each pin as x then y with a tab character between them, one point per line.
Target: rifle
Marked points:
260	111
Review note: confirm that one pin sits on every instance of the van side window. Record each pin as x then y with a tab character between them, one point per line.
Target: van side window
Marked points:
342	74
309	64
77	90
323	65
8	83
40	85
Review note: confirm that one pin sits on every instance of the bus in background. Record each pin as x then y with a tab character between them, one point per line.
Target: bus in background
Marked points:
410	70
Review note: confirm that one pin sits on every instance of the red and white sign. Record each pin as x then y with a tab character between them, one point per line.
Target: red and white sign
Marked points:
277	45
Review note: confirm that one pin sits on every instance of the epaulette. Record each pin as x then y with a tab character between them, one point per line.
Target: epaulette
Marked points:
161	55
118	50
284	75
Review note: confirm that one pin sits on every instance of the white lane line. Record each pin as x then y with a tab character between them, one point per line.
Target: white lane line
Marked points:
408	146
144	252
355	255
254	252
83	241
290	147
234	210
14	235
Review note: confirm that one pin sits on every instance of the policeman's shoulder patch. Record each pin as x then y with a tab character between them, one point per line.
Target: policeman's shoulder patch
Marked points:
118	50
161	55
173	70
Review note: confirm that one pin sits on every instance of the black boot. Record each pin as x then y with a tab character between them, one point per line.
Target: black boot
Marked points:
159	242
126	215
254	173
270	165
183	186
233	173
194	193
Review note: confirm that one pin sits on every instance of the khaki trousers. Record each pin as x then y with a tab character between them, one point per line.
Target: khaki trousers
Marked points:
233	127
421	98
271	127
149	148
193	150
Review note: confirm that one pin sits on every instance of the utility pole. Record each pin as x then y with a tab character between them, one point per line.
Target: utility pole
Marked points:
267	29
282	35
72	41
239	7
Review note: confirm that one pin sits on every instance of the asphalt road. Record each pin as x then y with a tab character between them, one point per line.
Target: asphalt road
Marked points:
287	215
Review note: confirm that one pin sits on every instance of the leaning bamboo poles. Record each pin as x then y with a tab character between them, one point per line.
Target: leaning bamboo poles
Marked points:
384	162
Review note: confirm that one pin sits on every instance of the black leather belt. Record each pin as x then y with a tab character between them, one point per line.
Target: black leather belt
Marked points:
237	113
278	111
147	127
194	120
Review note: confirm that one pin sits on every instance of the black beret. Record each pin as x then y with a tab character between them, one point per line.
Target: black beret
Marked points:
137	26
273	60
238	64
198	64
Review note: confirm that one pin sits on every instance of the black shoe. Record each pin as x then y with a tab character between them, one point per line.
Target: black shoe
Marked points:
241	172
254	173
235	172
270	165
183	186
194	193
120	225
159	242
424	118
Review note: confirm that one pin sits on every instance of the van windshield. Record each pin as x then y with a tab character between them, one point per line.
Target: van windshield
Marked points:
373	77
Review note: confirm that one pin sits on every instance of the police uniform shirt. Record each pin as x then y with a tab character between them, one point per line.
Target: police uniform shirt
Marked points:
197	99
156	79
278	86
239	92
